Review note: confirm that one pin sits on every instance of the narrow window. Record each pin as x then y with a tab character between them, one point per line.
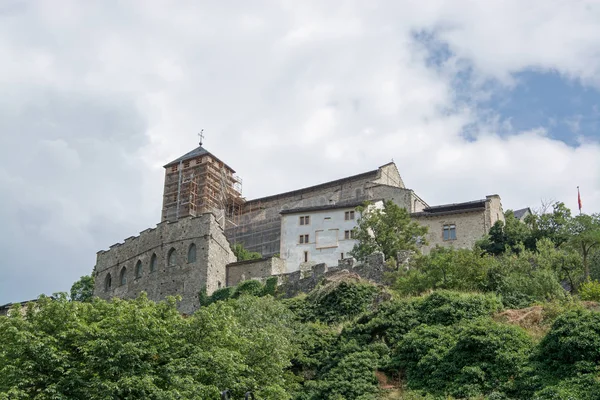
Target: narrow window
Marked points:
123	276
349	215
107	283
303	239
449	232
171	258
341	256
153	263
138	269
306	256
305	220
192	253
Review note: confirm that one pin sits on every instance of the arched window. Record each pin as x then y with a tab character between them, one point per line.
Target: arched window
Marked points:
123	276
138	269
153	263
192	253
107	283
171	258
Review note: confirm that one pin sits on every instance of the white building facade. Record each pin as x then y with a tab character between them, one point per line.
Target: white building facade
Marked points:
321	234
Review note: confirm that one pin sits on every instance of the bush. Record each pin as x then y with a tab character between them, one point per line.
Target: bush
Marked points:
339	301
590	291
583	387
447	308
251	287
572	344
467	360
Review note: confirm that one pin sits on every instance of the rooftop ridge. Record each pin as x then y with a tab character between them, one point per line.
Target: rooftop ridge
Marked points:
320	185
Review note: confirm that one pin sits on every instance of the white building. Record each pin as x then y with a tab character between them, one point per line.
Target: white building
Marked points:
321	234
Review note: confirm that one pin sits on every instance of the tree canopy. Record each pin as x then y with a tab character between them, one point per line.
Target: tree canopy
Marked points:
388	230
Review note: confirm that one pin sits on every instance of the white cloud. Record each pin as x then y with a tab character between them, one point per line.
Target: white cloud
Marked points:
100	96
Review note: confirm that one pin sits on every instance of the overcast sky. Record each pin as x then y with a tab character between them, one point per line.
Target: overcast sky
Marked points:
469	98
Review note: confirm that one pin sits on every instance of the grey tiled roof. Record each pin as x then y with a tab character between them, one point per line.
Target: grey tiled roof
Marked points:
454	208
521	213
197	152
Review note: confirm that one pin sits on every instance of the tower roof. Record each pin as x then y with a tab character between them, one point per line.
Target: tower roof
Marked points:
197	152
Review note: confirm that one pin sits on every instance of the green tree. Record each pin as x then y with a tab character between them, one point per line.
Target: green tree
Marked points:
585	237
139	349
554	226
244	255
83	289
387	230
445	268
509	234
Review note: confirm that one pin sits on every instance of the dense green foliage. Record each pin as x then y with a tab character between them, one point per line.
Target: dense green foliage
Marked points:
141	350
244	255
337	342
388	230
83	289
250	287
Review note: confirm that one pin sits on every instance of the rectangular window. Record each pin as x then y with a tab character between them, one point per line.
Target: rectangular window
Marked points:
174	168
305	220
303	239
449	232
349	215
348	234
341	256
306	256
186	164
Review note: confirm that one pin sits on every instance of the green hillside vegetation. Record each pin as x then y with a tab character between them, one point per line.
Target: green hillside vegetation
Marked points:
514	318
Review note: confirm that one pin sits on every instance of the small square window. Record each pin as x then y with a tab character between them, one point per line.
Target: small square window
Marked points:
186	164
449	232
303	239
349	215
349	234
174	168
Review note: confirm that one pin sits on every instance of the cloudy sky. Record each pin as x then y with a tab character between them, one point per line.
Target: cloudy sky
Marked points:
469	98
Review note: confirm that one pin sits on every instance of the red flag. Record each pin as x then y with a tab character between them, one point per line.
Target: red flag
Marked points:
579	199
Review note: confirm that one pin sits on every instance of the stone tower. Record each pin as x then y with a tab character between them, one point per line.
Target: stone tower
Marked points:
197	183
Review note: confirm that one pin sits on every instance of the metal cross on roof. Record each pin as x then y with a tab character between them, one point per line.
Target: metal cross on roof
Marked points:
201	136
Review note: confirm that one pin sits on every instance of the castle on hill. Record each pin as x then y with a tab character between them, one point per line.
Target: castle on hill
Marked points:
204	213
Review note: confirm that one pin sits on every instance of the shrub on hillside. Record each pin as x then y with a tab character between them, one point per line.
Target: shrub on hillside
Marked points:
466	360
590	291
339	301
583	387
572	344
447	308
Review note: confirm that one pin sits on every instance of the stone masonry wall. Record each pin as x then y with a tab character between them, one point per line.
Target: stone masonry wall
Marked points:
297	282
184	278
254	269
470	227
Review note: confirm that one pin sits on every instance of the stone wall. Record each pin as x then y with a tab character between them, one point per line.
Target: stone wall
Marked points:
293	283
254	269
186	277
259	227
470	225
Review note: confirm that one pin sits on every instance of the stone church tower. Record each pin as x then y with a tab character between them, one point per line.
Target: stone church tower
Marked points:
198	183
